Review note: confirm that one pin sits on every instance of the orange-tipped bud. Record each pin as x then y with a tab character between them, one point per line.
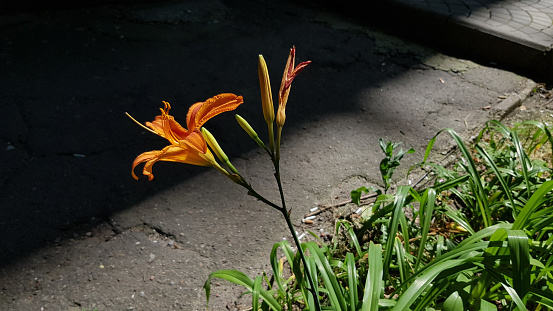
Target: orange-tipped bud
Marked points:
290	72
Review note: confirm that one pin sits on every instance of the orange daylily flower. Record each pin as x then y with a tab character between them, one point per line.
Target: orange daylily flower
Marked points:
187	145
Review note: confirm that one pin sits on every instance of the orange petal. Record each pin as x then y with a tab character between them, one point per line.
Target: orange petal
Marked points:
195	140
158	126
287	71
193	151
289	74
191	116
166	126
200	113
146	157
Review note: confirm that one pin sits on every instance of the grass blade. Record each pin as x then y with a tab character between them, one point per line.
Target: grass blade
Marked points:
544	128
472	172
352	281
542	297
426	208
460	219
401	259
475	181
374	283
500	178
351	234
520	258
422	282
533	203
399	203
525	163
451	183
277	273
329	279
309	298
470	244
510	291
453	303
255	292
241	279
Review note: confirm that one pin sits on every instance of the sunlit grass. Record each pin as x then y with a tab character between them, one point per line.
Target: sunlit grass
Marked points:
479	238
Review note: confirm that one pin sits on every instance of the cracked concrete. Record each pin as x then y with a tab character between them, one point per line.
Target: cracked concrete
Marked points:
79	232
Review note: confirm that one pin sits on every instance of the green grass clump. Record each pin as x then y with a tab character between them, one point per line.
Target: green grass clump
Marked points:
479	238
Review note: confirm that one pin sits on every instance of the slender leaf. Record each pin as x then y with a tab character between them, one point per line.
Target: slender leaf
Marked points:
352	235
352	281
499	176
533	203
520	258
241	279
427	209
329	279
255	292
308	297
453	303
374	282
459	219
545	129
510	291
467	246
450	184
277	273
525	163
542	297
402	261
422	282
399	203
486	306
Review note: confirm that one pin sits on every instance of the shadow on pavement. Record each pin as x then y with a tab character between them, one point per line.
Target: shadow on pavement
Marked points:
68	77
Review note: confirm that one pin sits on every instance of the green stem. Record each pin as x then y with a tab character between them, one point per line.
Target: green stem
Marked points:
271	139
256	195
286	215
302	256
279	133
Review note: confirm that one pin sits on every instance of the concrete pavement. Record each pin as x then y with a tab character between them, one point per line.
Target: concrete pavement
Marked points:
525	22
513	34
79	232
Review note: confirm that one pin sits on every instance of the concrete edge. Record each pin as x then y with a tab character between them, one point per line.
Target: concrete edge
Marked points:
513	101
455	36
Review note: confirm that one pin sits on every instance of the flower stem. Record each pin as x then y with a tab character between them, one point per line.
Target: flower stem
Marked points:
286	215
258	196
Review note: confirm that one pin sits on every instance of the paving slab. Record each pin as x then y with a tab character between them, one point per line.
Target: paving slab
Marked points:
80	233
515	35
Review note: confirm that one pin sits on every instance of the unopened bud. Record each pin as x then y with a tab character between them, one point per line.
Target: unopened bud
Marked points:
266	94
253	134
246	126
214	145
